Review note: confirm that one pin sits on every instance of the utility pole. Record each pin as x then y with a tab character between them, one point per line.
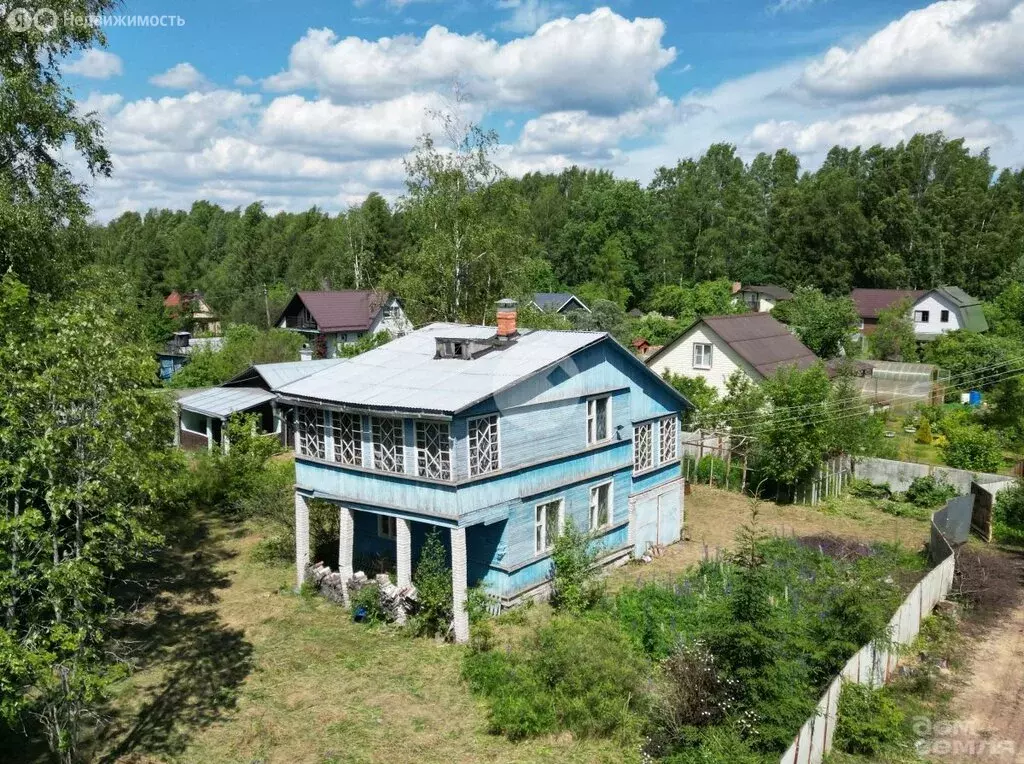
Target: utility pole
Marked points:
266	304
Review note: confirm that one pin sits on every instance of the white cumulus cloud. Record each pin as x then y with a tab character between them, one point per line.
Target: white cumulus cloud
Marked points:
96	64
181	76
599	62
953	43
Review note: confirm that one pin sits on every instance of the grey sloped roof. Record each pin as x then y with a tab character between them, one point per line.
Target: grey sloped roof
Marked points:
277	375
772	290
224	401
404	374
555	301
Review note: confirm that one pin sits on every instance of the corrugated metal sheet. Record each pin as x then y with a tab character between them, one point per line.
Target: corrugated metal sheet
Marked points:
404	374
224	401
277	375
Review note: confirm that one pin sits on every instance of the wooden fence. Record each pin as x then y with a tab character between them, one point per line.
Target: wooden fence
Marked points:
875	664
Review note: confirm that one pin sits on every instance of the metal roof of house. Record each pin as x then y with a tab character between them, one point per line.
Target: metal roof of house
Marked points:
757	338
404	374
277	375
555	301
870	302
970	308
348	310
776	292
224	401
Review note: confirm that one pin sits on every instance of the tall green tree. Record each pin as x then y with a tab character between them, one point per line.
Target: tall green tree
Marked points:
83	450
893	338
824	324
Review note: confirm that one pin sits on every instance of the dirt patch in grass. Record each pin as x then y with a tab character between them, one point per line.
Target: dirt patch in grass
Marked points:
712	516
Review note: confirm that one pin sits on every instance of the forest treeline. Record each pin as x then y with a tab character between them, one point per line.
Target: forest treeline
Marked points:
922	213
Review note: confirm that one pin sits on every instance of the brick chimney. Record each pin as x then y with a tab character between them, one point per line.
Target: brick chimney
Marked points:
507	318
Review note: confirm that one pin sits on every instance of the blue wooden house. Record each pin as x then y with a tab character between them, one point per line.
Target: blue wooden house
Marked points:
496	437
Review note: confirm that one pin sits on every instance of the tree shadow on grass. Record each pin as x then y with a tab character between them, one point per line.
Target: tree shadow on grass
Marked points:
201	662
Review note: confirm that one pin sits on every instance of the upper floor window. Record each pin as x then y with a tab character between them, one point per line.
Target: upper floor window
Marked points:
310	427
388	445
483	445
433	450
702	355
599	412
601	506
944	316
669	439
391	311
921	316
547	524
643	450
347	430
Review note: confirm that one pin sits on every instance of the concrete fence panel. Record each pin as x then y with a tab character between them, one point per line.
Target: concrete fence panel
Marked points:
875	666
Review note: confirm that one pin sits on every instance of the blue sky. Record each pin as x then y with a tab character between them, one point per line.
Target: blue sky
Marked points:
317	102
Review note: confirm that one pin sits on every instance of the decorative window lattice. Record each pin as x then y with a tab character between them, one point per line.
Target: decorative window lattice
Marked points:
433	450
483	445
643	454
348	438
388	451
669	439
311	425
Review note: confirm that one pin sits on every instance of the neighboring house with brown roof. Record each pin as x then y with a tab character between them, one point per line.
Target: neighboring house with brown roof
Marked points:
332	319
194	306
717	346
935	311
761	298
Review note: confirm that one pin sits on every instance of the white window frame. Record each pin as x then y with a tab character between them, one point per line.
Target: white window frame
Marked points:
469	445
186	428
399	445
707	358
665	456
338	441
387	527
443	471
637	466
922	316
595	493
592	438
541	543
319	429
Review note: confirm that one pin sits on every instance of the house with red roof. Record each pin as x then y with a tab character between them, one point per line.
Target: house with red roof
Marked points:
193	306
331	319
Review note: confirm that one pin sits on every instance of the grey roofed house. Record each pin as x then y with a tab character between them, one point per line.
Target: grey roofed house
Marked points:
558	302
771	290
407	375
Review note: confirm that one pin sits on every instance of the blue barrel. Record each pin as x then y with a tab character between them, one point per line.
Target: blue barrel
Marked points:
975	398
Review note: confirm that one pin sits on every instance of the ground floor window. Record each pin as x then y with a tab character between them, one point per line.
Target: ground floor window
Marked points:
601	506
548	523
193	422
387	527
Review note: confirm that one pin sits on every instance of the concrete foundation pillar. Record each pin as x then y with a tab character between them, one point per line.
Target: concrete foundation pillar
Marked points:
459	584
346	540
403	555
301	537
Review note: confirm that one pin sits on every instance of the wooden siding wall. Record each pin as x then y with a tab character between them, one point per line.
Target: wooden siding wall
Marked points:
679	359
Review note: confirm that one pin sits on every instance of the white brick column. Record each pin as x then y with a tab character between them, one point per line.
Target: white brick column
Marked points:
346	539
301	537
403	555
459	584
